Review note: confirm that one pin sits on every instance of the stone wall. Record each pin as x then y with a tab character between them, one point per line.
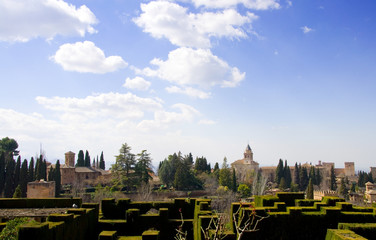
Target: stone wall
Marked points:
41	189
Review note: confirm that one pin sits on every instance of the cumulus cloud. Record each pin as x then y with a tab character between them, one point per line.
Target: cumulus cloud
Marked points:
306	29
137	83
163	19
23	20
251	4
85	57
206	122
192	92
189	67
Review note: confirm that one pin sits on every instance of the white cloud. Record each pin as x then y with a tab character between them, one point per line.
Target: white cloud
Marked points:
306	29
85	57
192	92
251	4
23	20
113	105
137	83
169	20
163	119
186	66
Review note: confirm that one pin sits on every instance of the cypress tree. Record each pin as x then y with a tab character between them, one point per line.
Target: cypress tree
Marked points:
234	182
80	159
309	191
9	178
303	178
31	170
24	178
17	192
87	159
318	177
287	175
17	171
333	183
57	176
101	162
279	172
2	172
296	174
37	169
312	175
44	170
51	176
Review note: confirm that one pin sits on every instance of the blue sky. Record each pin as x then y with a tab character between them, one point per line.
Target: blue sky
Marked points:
294	79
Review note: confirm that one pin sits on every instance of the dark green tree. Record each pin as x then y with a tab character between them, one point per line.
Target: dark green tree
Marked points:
225	175
80	159
9	178
87	159
296	179
124	167
17	171
184	178
201	164
332	182
318	177
312	175
2	172
57	176
287	175
101	162
31	170
165	173
17	192
282	184
143	167
309	191
303	178
44	170
24	178
188	160
279	172
51	176
216	170
9	147
343	189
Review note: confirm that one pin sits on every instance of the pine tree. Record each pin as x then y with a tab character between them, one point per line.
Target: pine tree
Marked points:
282	184
309	191
101	162
17	192
80	159
24	178
31	170
143	167
216	170
2	172
9	178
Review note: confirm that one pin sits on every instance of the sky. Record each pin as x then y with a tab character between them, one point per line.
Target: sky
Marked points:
293	79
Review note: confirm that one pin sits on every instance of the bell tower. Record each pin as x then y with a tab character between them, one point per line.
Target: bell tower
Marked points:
248	154
69	159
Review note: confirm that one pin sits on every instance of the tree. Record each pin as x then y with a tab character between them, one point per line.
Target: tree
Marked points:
216	170
287	175
309	191
31	170
165	172
87	159
17	171
101	162
9	147
332	183
57	176
244	190
282	184
2	172
234	182
24	178
143	167
17	192
296	179
225	175
80	159
188	160
343	190
201	165
124	167
303	178
9	178
279	172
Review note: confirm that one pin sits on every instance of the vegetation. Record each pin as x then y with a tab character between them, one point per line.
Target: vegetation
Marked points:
10	232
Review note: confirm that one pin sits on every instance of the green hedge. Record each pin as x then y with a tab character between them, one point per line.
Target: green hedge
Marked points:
39	203
367	230
336	234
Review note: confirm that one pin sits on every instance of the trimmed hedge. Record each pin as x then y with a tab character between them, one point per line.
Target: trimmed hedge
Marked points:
336	234
39	203
367	230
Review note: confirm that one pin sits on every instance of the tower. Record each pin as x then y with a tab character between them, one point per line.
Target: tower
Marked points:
69	159
248	154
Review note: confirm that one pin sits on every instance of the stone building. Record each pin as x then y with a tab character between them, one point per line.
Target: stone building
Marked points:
246	165
41	189
70	174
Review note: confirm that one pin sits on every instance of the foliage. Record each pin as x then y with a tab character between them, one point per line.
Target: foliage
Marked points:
244	190
87	159
201	165
259	183
80	159
9	178
2	171
24	178
123	169
101	162
279	172
9	147
303	178
234	182
143	167
17	171
363	178
31	170
17	192
225	175
333	183
10	232
309	190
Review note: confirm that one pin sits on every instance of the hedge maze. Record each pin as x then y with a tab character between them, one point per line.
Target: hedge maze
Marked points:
284	216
